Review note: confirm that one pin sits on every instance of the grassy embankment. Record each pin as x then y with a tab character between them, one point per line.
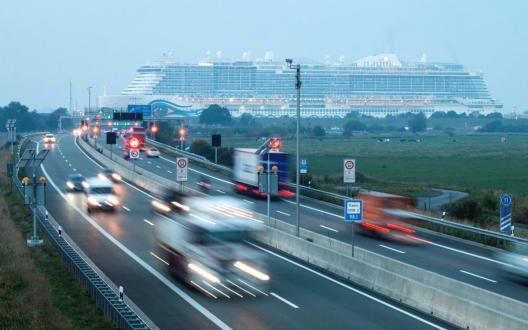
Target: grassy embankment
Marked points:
37	291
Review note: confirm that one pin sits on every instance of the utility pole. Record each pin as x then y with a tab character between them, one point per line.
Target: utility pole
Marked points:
89	99
70	110
297	144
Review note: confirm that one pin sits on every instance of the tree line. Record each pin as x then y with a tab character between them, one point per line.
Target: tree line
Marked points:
30	120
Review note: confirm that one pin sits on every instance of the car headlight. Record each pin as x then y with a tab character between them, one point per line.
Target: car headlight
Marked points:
70	185
251	271
116	176
101	176
113	200
85	185
93	201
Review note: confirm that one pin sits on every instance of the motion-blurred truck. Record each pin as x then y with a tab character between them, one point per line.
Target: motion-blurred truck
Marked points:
248	163
208	247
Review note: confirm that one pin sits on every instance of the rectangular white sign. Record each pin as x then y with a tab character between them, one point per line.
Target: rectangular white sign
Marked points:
349	170
181	168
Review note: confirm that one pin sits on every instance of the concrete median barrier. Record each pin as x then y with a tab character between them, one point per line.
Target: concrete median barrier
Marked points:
456	302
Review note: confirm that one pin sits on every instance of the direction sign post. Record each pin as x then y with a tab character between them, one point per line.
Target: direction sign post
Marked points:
134	155
181	170
506	214
353	212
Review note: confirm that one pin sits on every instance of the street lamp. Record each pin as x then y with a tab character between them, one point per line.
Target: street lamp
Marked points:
298	83
89	98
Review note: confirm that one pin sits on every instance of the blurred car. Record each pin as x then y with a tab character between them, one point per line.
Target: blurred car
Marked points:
76	132
100	195
108	173
204	184
171	201
49	138
515	262
76	182
152	152
126	154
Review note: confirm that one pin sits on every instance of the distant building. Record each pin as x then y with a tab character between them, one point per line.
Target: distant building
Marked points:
377	85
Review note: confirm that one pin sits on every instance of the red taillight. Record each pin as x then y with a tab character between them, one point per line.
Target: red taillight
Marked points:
375	227
241	187
400	228
286	193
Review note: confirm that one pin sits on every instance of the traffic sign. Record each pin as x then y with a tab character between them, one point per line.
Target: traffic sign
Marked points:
506	213
304	166
353	210
134	154
181	168
349	170
133	143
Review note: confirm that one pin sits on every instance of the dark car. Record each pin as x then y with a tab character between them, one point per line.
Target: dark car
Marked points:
170	201
75	182
110	174
126	154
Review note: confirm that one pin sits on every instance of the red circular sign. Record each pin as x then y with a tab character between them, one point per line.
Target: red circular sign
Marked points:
349	164
182	163
133	142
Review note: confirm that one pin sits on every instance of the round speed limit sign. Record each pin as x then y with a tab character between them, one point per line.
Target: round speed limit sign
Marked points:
349	164
182	163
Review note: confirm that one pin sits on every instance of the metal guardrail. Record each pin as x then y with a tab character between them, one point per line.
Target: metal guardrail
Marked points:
190	155
437	221
105	298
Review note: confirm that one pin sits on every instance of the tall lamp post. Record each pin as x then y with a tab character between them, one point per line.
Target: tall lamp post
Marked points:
298	83
89	99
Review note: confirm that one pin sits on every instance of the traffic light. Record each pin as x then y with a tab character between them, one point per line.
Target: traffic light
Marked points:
154	128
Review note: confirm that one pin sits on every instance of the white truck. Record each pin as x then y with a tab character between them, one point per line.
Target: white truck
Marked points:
207	247
246	163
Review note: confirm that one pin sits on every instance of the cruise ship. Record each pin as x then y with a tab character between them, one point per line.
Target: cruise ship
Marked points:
377	86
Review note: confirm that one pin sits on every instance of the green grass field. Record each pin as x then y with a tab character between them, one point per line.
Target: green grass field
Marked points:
468	162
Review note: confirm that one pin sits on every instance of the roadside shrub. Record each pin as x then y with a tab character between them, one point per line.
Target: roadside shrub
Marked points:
466	208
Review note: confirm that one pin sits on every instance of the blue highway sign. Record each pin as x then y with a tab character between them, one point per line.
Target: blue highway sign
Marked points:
353	210
506	213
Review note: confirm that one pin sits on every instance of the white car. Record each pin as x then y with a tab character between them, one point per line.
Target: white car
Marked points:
49	138
152	152
100	195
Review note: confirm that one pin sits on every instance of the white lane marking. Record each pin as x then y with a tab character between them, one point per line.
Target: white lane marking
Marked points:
159	258
158	166
283	300
169	171
140	261
69	164
284	213
97	164
392	249
251	286
74	169
314	209
478	276
250	202
126	208
364	294
238	294
241	288
220	191
150	223
202	173
216	289
460	251
149	162
204	290
328	228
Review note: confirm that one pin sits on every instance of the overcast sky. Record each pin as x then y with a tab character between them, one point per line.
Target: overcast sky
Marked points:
46	44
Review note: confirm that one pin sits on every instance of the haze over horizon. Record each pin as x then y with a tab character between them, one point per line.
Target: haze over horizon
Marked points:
48	44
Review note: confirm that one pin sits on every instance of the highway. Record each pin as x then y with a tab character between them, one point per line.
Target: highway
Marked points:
122	245
455	258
